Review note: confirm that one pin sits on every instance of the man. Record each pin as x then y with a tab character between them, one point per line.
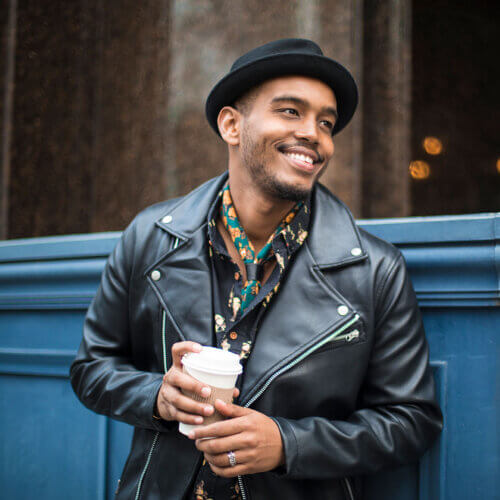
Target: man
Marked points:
266	263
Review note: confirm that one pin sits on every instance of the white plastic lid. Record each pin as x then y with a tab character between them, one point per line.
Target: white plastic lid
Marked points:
213	360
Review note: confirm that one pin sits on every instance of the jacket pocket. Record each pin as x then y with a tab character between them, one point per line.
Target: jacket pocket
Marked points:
354	335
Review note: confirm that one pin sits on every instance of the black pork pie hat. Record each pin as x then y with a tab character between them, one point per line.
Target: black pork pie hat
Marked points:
289	56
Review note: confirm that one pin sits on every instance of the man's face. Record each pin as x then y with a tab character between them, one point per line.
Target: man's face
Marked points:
286	136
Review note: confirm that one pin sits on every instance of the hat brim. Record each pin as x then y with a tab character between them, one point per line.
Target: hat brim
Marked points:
237	82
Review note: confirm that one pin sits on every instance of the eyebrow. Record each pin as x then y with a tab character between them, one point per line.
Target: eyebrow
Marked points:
302	102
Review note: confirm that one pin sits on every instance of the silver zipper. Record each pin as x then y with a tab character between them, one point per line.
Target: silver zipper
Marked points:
163	339
242	488
349	489
141	479
148	460
335	335
349	336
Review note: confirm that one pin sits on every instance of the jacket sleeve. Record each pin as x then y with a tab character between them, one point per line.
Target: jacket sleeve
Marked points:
397	417
103	374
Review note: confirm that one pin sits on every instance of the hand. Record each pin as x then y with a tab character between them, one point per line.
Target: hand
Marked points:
253	437
171	404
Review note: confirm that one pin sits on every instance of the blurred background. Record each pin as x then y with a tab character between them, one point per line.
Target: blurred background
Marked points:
102	104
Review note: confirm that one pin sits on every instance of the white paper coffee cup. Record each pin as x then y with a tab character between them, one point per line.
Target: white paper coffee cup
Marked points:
218	369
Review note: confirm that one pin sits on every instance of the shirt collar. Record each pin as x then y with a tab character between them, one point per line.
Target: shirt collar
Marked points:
292	236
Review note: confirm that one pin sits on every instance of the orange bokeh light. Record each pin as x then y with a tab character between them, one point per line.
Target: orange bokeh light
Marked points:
498	165
432	146
419	169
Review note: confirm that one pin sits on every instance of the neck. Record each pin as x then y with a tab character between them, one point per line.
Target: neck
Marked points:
258	214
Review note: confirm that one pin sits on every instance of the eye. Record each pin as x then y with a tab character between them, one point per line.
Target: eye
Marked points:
327	124
290	111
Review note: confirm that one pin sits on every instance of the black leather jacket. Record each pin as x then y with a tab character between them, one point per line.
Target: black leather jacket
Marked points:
346	406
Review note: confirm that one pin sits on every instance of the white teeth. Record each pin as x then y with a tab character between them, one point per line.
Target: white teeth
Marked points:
298	156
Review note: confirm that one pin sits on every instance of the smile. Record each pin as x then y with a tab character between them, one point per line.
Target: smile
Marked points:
300	157
302	162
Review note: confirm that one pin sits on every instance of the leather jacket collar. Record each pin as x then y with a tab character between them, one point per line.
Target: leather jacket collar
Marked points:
331	246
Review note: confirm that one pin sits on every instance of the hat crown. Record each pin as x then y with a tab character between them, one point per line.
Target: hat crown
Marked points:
288	56
278	47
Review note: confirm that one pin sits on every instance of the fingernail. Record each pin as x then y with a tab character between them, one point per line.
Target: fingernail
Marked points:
199	420
191	435
197	347
208	409
205	392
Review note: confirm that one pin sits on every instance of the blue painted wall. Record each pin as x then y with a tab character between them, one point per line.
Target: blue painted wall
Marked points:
51	447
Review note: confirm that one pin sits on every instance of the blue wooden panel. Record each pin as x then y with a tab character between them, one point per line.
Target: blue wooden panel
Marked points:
54	448
467	340
50	448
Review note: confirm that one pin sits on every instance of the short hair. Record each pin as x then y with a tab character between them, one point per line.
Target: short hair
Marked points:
245	102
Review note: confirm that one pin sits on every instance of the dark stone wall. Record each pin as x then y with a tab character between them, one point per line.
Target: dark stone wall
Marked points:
208	36
87	147
455	98
51	121
386	104
102	103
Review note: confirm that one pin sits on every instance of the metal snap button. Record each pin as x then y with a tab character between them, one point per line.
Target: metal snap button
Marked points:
356	251
342	310
155	275
167	219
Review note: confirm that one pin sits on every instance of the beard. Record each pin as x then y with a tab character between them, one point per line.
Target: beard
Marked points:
253	156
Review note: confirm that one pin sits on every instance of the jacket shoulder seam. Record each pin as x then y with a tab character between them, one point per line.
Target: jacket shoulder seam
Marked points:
382	286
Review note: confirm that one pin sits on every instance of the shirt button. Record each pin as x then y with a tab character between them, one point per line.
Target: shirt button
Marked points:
356	251
167	219
155	275
342	310
233	335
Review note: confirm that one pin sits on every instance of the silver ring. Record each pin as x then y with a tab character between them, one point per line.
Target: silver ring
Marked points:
232	459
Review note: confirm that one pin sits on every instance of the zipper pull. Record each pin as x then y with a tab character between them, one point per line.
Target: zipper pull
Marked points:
352	335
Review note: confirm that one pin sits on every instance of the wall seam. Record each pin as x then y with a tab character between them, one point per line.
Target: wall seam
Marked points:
8	96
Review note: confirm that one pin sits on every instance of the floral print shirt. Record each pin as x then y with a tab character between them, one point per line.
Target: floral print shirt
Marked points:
235	330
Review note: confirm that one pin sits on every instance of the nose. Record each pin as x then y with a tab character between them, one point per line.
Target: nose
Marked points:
307	130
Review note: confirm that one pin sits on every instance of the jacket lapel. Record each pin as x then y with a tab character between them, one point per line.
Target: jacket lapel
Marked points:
185	287
302	312
305	309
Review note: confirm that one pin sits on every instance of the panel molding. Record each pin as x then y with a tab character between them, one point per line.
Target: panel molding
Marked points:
432	466
36	362
77	301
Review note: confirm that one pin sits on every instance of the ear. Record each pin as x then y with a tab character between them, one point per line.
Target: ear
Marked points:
229	121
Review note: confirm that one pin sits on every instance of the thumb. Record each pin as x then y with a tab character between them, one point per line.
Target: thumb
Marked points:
230	410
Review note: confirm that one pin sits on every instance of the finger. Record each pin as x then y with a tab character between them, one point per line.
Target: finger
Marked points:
220	429
230	410
183	403
187	383
221	460
216	446
238	470
181	348
187	418
236	393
